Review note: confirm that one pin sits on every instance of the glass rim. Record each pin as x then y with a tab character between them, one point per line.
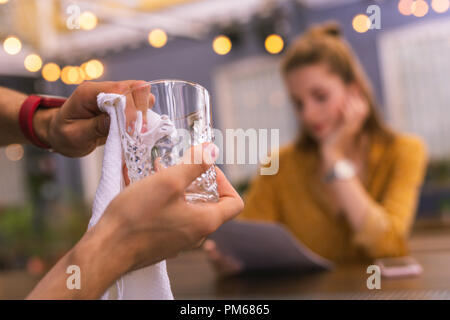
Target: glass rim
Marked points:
158	81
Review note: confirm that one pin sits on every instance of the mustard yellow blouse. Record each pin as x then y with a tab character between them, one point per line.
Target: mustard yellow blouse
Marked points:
295	197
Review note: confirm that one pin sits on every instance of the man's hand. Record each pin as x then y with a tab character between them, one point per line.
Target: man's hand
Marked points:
153	221
78	127
147	222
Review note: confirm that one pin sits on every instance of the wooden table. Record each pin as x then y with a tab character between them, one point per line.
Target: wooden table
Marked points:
192	277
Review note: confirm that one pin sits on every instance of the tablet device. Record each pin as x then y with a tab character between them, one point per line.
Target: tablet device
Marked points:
265	246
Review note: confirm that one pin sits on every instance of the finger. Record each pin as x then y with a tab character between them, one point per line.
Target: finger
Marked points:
158	165
195	161
141	98
88	91
209	245
93	129
130	108
230	203
126	178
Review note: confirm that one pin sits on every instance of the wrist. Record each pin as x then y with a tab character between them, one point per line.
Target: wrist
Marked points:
42	120
97	256
330	157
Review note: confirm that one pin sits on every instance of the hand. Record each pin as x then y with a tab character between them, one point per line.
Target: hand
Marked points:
150	220
354	115
224	265
78	127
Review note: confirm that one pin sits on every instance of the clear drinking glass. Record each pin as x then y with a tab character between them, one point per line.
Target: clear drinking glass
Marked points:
179	119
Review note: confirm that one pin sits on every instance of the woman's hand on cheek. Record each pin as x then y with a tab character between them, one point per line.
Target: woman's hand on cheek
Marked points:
353	115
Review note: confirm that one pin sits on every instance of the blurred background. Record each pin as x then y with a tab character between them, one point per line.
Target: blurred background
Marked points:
231	47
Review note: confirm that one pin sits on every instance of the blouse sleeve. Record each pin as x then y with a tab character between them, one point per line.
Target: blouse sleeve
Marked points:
388	222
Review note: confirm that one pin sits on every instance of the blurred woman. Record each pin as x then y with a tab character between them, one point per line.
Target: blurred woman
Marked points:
348	186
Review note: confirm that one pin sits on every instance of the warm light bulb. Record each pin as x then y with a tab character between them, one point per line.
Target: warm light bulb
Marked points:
221	45
419	8
51	72
440	6
361	23
88	20
404	7
157	38
12	45
14	152
94	69
33	62
65	74
274	44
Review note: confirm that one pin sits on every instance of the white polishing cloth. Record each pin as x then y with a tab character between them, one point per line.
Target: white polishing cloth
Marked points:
151	282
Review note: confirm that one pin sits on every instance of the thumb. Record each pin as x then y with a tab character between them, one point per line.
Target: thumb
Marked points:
195	161
93	129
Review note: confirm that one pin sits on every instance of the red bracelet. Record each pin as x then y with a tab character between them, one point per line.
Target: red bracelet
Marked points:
29	107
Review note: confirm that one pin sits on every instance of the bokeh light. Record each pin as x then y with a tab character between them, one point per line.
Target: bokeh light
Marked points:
33	62
65	74
12	45
440	6
404	7
72	75
157	38
419	8
3	1
51	72
88	20
93	69
75	75
14	152
274	44
221	45
361	23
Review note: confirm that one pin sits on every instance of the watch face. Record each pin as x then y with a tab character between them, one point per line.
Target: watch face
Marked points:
344	170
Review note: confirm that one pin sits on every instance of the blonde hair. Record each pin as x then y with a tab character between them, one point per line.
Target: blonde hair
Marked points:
324	44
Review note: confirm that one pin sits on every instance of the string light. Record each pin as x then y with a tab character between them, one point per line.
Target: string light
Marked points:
221	45
74	75
419	8
157	38
65	74
14	152
404	7
93	69
274	44
85	74
33	62
12	45
51	72
361	23
440	6
88	21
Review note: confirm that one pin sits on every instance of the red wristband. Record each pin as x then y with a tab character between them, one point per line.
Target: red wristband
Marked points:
29	107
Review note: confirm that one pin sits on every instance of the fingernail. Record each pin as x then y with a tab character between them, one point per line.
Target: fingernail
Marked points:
213	151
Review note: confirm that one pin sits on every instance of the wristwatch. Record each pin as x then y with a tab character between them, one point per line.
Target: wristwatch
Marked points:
341	170
27	111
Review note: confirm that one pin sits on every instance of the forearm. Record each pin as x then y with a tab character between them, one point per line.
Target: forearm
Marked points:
10	102
98	263
353	200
